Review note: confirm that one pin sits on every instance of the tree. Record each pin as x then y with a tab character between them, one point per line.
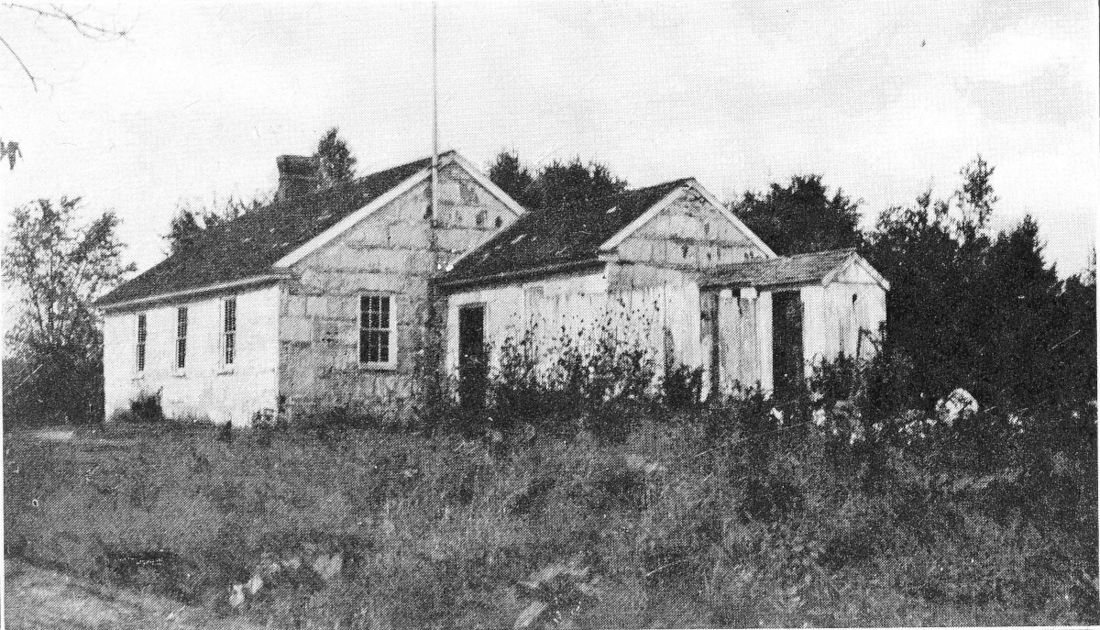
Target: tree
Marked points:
933	254
507	172
1014	316
337	163
574	184
189	223
1074	345
987	314
59	268
801	217
558	185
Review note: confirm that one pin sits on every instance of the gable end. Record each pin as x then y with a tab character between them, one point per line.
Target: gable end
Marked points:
654	211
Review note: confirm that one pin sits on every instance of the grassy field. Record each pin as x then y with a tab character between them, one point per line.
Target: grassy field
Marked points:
41	599
671	525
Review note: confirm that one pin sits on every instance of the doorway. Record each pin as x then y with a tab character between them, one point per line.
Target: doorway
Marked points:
787	363
710	341
473	357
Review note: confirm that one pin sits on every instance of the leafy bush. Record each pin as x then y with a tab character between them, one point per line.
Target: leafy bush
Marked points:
683	387
144	409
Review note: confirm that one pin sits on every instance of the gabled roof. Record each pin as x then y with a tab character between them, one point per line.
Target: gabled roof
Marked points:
559	236
250	245
800	269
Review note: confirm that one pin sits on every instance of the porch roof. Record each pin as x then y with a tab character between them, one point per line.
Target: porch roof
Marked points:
800	269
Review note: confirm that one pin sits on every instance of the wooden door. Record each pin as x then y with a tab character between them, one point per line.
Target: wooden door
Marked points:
709	340
473	356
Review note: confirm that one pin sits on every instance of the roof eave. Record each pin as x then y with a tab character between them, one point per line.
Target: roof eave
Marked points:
452	285
764	286
188	293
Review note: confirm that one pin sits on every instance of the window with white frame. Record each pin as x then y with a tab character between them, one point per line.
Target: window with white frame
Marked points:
181	337
142	334
229	330
376	330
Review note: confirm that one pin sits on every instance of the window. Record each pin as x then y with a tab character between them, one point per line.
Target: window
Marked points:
181	337
141	336
376	330
229	330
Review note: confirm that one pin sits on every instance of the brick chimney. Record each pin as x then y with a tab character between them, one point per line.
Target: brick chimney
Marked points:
298	175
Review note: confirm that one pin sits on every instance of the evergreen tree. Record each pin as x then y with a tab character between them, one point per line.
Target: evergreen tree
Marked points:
1014	317
337	163
514	178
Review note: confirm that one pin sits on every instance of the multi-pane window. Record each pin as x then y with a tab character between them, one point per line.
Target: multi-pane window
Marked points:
181	337
229	330
375	330
141	336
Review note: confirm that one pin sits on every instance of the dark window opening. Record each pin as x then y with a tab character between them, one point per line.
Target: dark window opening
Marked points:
142	334
181	338
230	330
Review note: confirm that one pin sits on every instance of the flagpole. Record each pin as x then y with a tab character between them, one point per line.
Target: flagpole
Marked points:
433	333
435	116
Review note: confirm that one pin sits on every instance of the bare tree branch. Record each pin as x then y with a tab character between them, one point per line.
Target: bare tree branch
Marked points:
85	28
34	82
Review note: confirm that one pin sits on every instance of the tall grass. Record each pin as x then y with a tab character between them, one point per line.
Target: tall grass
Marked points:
719	517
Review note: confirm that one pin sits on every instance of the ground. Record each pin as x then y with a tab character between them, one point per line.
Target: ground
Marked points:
675	523
40	599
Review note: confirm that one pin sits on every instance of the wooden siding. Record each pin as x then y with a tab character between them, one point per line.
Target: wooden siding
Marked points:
656	308
834	320
690	234
389	252
205	388
744	340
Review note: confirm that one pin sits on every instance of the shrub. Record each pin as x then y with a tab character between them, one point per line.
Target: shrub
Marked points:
333	423
47	385
683	387
145	409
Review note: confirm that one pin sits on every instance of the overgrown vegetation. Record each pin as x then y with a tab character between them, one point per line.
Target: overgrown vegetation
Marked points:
579	488
839	514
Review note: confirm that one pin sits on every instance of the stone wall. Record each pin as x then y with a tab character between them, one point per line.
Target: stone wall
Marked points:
391	253
691	233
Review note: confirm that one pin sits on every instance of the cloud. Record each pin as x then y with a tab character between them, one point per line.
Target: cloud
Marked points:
1021	53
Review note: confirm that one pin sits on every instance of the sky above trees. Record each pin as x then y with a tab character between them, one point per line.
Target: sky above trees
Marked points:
884	100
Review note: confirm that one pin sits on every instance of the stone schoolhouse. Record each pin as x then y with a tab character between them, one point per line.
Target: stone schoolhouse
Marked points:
355	294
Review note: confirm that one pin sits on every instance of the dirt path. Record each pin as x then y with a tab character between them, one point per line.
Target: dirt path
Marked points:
41	599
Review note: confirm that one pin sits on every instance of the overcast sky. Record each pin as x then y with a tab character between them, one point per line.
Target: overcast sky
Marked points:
882	99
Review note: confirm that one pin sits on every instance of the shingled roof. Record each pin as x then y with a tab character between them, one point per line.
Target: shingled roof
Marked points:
785	270
249	245
558	235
